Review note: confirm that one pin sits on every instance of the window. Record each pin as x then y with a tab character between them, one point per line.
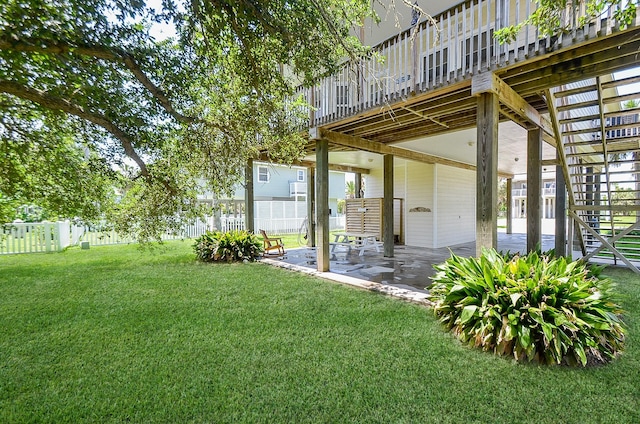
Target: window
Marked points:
300	174
263	174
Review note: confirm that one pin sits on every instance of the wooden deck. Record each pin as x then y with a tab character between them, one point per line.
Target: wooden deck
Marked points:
423	88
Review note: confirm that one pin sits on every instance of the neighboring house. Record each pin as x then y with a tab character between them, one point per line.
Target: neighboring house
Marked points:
444	110
519	203
280	196
519	196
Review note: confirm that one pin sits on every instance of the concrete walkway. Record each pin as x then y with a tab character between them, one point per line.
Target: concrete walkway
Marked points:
407	272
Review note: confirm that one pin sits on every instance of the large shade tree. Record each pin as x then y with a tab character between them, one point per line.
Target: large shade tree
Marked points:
90	100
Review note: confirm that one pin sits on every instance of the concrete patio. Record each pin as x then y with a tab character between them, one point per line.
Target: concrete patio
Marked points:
409	269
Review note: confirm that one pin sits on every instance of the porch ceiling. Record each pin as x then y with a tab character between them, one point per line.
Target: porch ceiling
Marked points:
459	146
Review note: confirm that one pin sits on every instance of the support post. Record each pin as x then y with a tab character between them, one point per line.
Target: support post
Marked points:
249	215
509	229
358	185
561	213
311	207
534	188
487	172
322	203
387	207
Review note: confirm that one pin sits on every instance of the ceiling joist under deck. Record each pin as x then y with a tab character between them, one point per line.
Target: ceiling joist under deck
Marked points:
375	112
358	143
455	113
437	107
310	164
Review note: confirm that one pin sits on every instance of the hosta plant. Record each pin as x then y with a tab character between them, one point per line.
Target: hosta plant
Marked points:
533	307
230	246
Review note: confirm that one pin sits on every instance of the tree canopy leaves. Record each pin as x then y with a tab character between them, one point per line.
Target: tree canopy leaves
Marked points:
553	17
90	100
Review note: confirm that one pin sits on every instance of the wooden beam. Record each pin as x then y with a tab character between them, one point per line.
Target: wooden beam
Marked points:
359	143
387	207
264	157
490	82
487	172
424	116
322	204
382	149
534	189
334	167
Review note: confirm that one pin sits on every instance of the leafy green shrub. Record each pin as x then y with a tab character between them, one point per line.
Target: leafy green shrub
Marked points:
230	246
535	307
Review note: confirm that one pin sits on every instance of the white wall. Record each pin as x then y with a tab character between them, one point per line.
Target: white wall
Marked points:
419	225
374	186
448	193
398	19
455	206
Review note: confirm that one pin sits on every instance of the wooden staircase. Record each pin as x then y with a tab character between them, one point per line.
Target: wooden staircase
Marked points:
597	125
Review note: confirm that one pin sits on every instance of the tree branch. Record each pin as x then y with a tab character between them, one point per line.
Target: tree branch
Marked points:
50	102
99	52
333	29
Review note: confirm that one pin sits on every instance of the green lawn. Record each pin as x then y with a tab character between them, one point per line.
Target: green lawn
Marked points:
113	334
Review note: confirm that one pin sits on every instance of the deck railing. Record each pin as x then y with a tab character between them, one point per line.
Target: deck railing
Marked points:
428	56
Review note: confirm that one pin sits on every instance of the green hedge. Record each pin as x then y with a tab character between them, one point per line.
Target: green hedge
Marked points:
231	246
532	307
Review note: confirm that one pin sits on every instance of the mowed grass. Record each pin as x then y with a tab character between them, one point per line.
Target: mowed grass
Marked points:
114	334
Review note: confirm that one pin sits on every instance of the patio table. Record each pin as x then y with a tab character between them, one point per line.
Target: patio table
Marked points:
358	241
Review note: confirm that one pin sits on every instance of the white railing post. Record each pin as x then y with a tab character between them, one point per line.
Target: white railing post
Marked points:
63	234
48	234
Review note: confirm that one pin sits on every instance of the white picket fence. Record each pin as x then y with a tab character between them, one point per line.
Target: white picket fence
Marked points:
35	237
273	217
56	236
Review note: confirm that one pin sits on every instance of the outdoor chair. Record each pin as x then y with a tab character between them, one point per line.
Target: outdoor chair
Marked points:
272	246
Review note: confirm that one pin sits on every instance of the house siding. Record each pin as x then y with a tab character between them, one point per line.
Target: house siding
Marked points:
336	185
419	225
374	186
455	206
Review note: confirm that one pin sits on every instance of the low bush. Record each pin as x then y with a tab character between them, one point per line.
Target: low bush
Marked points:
533	307
230	246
